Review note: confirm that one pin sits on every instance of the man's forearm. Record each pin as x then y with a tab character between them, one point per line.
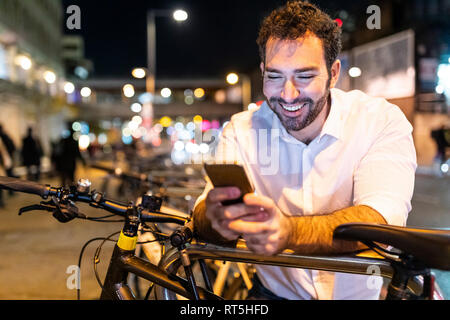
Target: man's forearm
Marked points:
203	229
314	234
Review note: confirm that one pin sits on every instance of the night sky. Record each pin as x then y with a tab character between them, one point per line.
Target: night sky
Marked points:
219	36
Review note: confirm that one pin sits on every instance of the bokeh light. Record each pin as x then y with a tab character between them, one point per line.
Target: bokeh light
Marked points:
199	93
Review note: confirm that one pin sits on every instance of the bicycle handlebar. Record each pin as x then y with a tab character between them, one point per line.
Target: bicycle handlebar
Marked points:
24	186
121	209
94	199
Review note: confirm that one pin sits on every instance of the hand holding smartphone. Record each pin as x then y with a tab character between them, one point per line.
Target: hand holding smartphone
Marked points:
229	175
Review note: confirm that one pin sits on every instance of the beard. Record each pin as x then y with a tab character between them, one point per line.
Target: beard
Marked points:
300	122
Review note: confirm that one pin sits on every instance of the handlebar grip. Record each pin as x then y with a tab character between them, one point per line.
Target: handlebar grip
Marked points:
24	186
148	216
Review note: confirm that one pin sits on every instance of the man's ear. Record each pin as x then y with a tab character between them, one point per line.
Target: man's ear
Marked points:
262	68
335	72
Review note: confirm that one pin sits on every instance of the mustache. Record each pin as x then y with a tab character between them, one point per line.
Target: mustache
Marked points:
296	101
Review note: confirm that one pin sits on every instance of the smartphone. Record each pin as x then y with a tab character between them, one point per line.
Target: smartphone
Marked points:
229	175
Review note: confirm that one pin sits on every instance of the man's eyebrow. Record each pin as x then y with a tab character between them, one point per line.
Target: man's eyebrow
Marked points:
301	70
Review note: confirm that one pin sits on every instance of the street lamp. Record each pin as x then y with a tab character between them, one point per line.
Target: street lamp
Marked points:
139	73
49	77
232	78
69	87
85	92
166	92
24	62
178	15
246	86
354	72
128	90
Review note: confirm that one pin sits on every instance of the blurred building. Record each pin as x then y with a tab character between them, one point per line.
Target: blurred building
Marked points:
31	68
187	112
76	65
405	61
174	97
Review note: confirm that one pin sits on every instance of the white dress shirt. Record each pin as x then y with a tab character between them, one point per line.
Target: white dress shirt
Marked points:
364	155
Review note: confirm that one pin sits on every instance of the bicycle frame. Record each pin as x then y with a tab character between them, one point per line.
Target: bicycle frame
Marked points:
356	264
124	261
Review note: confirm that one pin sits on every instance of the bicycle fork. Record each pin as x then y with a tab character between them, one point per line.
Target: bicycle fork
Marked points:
115	285
179	239
124	261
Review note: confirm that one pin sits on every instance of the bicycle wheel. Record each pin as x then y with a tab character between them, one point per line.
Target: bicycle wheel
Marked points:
228	282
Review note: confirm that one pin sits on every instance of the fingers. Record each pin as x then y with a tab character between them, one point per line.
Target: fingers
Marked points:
250	218
240	210
227	233
222	217
217	195
260	216
261	246
250	227
252	199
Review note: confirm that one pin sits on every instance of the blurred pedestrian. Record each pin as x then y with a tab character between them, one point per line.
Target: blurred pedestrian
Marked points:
440	139
66	156
31	155
5	163
11	150
55	157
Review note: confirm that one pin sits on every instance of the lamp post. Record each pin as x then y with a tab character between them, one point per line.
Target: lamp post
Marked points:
246	87
147	107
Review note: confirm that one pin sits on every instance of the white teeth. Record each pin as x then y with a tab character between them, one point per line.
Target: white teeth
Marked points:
293	108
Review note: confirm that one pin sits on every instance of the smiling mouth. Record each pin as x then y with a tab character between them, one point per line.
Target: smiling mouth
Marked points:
293	107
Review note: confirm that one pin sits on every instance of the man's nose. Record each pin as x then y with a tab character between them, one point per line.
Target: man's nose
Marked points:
289	92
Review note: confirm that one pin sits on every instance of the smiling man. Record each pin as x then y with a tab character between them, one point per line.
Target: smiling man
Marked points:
336	157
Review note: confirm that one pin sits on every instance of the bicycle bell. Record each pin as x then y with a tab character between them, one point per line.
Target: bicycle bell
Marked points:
83	186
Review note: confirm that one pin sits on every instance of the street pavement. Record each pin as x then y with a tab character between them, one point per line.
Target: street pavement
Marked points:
37	251
431	209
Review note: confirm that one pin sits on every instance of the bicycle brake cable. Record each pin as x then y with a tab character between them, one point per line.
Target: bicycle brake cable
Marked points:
97	256
80	257
389	255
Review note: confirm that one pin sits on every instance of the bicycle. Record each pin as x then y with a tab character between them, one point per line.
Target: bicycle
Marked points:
173	192
407	269
177	188
123	261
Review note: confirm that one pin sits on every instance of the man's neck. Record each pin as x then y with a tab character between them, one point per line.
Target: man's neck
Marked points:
309	133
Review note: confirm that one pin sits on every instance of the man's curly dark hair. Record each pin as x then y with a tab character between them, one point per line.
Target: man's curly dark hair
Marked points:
293	21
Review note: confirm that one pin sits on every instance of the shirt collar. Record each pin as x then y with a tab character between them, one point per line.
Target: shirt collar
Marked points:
333	125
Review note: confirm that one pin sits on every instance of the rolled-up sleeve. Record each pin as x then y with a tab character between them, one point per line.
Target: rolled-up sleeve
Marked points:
384	178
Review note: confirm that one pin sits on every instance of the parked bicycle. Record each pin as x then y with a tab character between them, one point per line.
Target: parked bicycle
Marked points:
228	279
408	267
62	203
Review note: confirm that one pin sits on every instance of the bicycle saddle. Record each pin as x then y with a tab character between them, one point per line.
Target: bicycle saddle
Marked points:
429	246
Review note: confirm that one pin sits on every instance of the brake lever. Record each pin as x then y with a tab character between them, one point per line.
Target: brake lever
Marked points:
67	212
63	213
35	207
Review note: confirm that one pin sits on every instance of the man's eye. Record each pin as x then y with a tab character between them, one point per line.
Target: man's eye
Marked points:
304	77
273	77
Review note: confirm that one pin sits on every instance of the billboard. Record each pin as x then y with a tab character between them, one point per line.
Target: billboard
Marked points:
387	66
